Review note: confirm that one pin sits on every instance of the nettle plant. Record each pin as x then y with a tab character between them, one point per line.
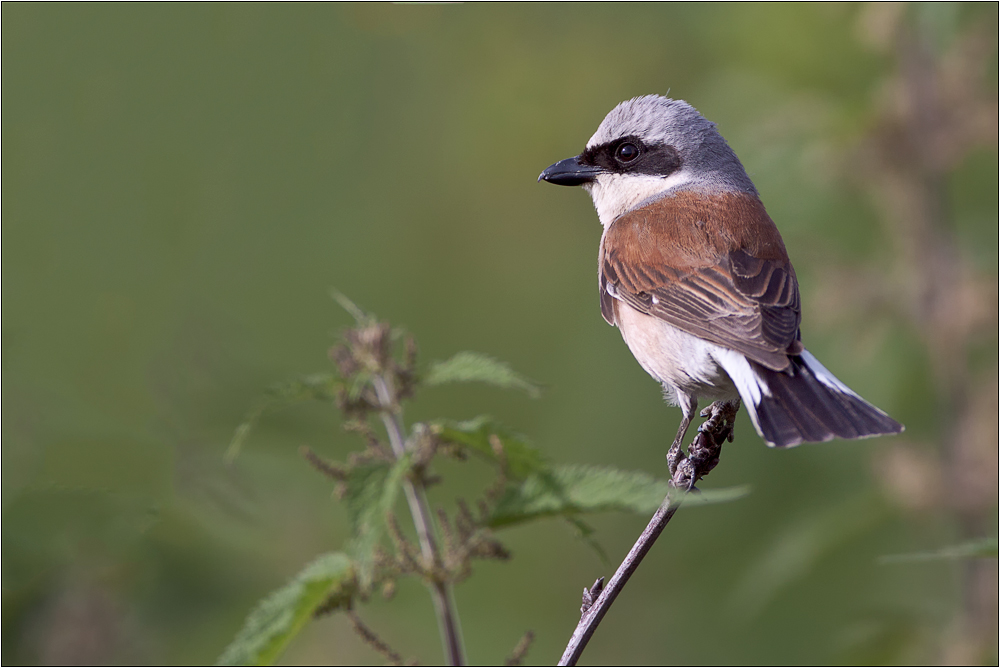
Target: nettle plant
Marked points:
375	371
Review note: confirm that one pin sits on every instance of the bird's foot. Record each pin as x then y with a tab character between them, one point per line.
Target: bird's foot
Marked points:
674	457
703	453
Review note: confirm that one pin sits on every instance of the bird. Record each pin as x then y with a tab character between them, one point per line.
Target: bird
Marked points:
695	275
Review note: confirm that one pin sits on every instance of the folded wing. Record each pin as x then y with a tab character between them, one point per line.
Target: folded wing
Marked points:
731	284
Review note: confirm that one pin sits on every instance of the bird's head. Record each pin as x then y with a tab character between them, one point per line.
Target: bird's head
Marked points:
646	148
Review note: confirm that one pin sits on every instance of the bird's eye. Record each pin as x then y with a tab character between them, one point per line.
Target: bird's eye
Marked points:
627	152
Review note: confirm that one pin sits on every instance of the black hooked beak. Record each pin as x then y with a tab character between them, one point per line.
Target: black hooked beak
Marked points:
570	172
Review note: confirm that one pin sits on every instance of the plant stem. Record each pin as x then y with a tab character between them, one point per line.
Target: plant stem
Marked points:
416	497
593	616
701	457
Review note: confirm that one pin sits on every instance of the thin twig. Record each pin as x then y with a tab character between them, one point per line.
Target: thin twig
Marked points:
702	456
441	592
373	641
595	612
407	559
327	468
520	650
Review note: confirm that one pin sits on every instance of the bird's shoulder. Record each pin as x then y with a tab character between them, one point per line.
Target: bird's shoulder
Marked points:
693	229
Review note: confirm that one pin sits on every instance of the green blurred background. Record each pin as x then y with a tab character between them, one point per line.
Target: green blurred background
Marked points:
184	183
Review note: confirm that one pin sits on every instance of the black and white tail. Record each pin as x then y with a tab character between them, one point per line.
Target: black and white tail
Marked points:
806	404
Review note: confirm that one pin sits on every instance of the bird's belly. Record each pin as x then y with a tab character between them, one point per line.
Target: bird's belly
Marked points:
678	360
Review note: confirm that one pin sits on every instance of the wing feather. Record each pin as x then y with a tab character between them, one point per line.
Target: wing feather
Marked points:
713	266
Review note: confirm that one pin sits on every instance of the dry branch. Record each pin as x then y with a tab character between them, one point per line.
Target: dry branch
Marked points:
701	457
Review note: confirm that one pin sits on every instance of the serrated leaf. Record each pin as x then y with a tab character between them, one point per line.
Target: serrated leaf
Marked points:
371	491
328	581
466	367
982	548
521	458
569	490
318	386
363	490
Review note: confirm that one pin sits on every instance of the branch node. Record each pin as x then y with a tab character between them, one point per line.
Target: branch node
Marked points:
590	595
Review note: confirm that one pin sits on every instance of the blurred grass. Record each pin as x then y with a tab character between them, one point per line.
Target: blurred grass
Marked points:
183	183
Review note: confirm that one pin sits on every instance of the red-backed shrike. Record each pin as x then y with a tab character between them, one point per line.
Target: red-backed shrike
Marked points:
694	273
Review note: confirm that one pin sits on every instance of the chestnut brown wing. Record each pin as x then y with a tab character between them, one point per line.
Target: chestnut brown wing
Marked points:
723	283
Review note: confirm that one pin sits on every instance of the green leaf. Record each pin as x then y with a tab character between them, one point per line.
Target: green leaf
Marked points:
982	548
327	582
371	491
569	490
521	458
467	367
363	490
319	387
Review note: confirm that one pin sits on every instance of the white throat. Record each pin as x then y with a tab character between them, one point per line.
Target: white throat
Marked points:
615	194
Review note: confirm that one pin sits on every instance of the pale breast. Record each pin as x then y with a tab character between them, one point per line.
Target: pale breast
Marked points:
676	359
